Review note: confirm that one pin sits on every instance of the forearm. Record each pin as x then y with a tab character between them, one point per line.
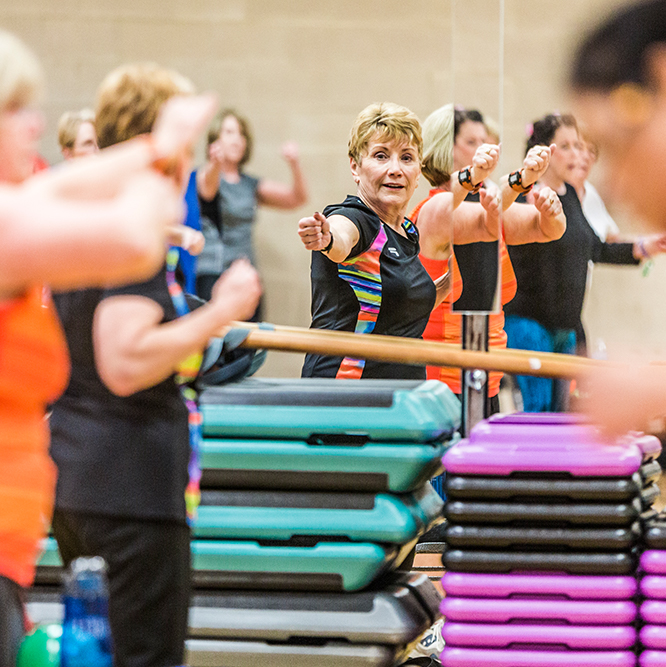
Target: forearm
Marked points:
69	245
144	357
208	180
523	223
509	195
95	177
299	189
471	225
442	287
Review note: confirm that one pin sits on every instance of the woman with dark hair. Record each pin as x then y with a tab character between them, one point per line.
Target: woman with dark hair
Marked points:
551	277
619	82
229	197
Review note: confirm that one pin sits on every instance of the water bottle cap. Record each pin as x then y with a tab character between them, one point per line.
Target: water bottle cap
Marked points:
88	564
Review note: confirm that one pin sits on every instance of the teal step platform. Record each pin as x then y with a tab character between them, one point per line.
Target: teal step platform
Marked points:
288	515
331	411
325	466
224	564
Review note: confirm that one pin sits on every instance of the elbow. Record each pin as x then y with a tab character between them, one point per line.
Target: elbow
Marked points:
120	382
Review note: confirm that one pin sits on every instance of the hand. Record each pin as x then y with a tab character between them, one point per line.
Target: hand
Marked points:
654	245
180	122
236	293
484	162
216	153
624	397
491	200
186	238
547	202
315	232
536	163
290	152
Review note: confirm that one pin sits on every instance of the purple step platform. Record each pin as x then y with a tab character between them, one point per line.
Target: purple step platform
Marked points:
485	635
503	447
652	659
578	612
654	586
654	611
471	657
471	585
653	561
653	636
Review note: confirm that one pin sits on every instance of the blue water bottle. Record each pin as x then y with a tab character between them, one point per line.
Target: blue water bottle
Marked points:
86	634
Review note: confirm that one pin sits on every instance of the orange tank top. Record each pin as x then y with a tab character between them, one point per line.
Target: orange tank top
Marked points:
446	326
33	372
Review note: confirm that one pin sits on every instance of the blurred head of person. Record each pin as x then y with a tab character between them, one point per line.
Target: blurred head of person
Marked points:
76	134
21	123
438	132
618	79
469	133
230	138
385	149
129	100
561	130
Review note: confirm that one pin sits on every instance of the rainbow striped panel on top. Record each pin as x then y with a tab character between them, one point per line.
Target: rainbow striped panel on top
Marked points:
363	273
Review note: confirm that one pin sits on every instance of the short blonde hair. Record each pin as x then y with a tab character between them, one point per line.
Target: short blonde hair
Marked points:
390	121
21	77
438	139
69	123
216	127
130	97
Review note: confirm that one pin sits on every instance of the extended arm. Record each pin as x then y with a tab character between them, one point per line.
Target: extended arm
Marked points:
133	351
281	195
538	223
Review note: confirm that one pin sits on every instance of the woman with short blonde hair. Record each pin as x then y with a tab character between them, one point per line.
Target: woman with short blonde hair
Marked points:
366	275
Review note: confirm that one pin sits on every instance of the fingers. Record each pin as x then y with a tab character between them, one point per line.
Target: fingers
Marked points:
547	202
486	156
314	231
537	159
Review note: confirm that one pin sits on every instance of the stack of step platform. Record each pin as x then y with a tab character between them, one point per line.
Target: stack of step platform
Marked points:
313	494
544	523
653	590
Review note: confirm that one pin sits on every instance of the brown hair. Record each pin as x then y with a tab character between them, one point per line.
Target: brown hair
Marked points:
216	127
129	100
543	130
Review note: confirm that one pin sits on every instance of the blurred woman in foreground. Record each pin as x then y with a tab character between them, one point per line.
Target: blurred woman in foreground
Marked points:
619	82
100	221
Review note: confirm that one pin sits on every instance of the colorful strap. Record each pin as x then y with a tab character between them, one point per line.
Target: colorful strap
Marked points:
186	374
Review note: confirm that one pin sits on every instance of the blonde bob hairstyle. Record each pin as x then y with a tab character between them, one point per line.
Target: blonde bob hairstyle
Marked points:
21	77
130	97
438	138
385	122
69	124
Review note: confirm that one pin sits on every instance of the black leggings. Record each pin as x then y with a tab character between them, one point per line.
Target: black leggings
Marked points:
12	625
149	581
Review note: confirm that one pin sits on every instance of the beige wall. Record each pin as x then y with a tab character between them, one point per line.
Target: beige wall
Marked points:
301	70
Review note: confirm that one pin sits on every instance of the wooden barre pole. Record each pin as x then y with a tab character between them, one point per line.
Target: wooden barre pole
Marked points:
413	351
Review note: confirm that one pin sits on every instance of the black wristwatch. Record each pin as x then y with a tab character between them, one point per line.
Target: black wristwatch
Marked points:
516	182
465	179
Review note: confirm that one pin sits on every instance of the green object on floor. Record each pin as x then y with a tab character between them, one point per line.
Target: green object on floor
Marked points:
41	648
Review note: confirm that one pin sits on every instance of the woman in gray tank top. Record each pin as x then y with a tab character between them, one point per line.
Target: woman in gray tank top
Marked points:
229	198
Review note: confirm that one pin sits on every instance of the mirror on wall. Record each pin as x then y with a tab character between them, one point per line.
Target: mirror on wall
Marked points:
477	68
